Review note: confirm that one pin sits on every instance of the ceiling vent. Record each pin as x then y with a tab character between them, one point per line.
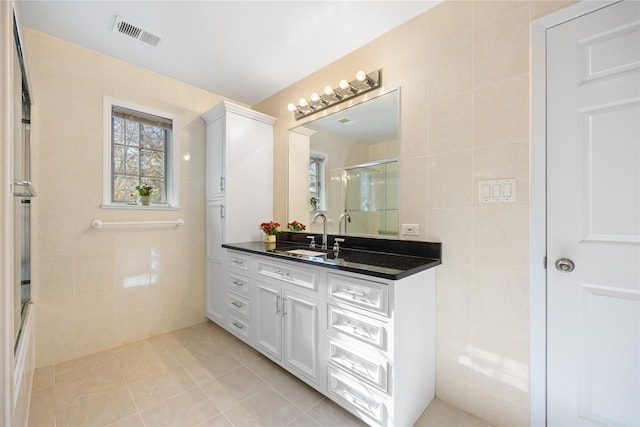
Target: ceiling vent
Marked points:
130	29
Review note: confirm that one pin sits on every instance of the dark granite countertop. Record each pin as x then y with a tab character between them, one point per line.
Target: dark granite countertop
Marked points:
385	258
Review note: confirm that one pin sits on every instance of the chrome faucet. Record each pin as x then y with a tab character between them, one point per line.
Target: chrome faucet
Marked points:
345	216
324	227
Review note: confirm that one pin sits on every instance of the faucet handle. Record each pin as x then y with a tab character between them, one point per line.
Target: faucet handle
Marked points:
312	243
336	243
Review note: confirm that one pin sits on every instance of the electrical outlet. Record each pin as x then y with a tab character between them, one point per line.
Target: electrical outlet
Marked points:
410	229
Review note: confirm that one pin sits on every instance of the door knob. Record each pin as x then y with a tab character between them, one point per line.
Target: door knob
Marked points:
565	265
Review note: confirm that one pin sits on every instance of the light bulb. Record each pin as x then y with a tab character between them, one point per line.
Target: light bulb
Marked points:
328	90
291	107
315	97
343	84
302	102
361	76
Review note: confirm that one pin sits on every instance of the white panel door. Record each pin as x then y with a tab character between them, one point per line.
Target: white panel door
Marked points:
268	319
300	334
593	219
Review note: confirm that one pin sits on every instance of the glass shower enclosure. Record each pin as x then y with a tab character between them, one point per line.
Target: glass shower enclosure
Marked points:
371	198
23	191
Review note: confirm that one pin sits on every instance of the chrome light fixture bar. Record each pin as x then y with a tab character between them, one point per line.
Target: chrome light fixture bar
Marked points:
331	96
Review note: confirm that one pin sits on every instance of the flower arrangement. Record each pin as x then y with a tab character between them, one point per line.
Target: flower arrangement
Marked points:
270	228
143	190
296	226
314	202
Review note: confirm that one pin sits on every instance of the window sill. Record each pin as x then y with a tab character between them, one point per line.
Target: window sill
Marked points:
140	207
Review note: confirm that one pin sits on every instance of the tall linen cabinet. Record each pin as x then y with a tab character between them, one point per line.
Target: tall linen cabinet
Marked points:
239	189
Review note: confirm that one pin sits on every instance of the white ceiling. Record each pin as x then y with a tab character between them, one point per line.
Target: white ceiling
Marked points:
243	50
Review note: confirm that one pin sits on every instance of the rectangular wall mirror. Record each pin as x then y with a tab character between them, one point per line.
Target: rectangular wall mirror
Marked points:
345	165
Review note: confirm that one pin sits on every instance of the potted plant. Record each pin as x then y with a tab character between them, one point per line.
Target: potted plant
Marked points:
143	194
314	202
270	229
296	226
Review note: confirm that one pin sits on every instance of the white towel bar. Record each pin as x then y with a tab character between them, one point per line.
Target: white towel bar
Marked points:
96	223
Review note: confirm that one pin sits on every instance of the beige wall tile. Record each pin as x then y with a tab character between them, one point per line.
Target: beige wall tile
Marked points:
413	131
450	124
454	391
500	237
501	301
500	162
540	8
76	267
448	20
449	180
501	50
485	405
489	12
412	177
449	67
454	228
501	112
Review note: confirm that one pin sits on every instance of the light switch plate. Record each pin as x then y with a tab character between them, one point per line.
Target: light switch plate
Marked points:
410	229
497	191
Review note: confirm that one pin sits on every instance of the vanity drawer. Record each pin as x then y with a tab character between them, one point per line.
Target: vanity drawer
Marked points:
360	327
238	326
239	284
371	369
366	294
239	261
238	305
356	396
299	276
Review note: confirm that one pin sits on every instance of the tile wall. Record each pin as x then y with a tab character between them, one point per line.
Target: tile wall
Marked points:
463	69
96	289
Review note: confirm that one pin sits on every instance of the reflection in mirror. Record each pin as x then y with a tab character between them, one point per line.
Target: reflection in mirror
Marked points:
345	166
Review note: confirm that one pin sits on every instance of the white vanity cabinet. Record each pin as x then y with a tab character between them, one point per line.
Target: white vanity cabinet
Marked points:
287	312
368	343
239	194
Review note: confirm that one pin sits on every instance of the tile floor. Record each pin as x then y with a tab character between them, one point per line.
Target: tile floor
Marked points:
197	376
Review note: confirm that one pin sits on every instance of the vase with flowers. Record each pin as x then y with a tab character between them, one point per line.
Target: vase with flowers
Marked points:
296	226
270	229
143	193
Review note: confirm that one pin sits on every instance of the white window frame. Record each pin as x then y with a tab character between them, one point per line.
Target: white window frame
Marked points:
322	178
173	163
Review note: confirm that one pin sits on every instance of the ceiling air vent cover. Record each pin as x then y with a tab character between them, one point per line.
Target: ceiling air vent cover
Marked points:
123	26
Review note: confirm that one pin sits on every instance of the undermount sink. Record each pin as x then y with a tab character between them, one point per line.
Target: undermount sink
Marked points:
305	252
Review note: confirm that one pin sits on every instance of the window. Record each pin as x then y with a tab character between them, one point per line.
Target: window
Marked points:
139	149
317	181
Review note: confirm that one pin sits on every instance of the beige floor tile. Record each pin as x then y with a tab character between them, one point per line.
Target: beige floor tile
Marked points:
141	360
76	388
231	388
77	369
133	420
43	378
472	421
297	392
43	408
187	409
266	408
329	414
266	369
303	421
97	410
440	414
218	421
204	369
157	388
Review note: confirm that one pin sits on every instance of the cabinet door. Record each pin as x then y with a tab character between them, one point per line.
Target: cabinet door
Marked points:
268	319
215	230
215	174
215	291
300	331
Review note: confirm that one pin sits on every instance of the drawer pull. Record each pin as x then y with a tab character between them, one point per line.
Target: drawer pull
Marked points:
358	402
238	262
355	294
238	325
277	304
355	366
237	304
358	330
237	283
285	275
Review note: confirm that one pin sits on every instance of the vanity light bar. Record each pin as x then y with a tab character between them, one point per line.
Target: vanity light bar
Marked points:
331	96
